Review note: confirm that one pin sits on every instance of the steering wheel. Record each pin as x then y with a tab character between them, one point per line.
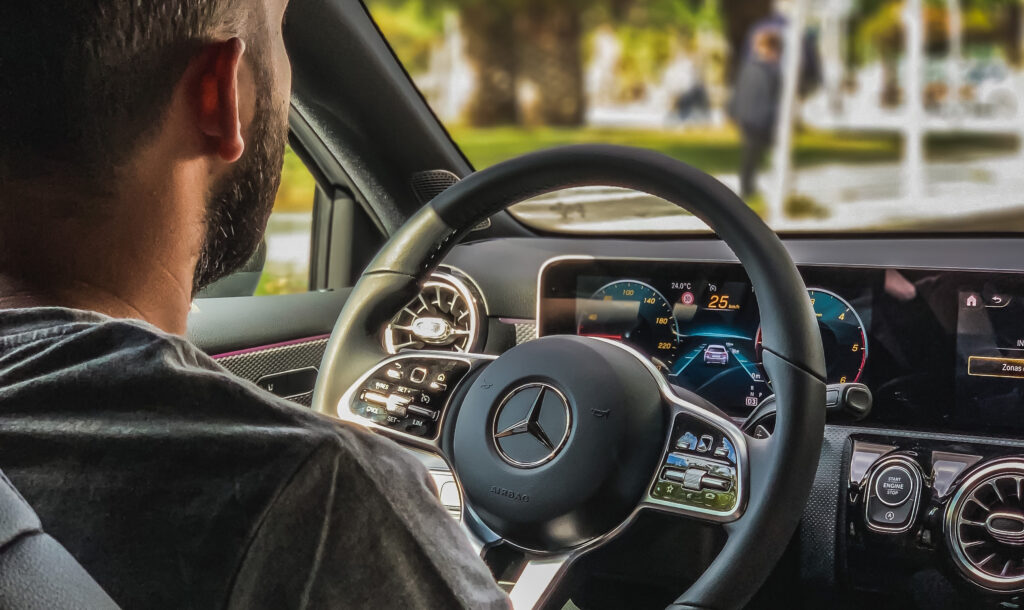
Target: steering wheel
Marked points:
560	442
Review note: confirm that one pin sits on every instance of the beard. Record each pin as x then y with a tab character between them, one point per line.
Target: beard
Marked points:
241	203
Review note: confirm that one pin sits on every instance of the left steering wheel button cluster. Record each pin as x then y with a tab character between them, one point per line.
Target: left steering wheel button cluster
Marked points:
413	406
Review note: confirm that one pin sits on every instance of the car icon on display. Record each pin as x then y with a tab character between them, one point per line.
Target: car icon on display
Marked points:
716	354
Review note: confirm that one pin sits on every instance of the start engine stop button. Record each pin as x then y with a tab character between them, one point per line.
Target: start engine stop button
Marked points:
894	485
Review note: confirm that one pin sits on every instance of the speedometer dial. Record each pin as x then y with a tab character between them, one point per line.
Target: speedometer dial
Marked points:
842	335
635	313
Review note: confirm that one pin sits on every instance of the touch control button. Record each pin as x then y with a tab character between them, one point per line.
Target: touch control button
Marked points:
894	485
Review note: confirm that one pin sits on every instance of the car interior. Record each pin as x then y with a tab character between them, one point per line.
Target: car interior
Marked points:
739	417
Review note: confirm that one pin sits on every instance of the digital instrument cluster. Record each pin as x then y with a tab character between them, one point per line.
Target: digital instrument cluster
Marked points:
939	349
701	326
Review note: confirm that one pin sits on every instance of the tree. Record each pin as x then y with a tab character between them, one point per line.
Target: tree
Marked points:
491	48
549	36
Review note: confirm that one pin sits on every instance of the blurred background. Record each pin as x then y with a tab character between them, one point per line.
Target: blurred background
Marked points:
825	115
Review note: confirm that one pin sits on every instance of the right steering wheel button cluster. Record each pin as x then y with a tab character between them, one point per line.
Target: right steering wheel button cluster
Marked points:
700	469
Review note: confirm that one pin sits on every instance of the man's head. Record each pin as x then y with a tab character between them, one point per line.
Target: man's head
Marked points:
768	44
109	107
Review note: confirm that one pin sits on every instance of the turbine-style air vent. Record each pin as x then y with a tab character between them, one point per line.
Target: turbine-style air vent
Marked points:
445	316
985	525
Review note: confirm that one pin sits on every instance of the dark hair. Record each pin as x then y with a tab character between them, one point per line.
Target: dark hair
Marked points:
771	38
83	81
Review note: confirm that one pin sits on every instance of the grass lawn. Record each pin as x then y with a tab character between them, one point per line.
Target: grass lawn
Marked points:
717	150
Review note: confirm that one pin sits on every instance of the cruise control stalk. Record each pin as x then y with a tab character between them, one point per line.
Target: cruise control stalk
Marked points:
844	403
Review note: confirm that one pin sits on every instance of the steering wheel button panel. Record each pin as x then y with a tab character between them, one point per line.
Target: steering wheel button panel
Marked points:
412	409
694	476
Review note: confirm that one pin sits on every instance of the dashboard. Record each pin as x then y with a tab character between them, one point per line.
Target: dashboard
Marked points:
909	506
937	348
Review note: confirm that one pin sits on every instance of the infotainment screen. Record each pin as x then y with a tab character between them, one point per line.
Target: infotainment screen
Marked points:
990	354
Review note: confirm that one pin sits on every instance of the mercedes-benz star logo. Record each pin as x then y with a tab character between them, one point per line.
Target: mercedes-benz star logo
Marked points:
531	425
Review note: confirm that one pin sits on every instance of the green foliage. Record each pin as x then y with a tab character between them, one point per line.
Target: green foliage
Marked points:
801	206
879	24
411	27
298	187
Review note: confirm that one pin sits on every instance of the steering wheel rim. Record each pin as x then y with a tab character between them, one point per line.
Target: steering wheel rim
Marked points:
785	466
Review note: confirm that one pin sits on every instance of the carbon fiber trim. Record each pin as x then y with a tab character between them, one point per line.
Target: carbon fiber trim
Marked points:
525	331
257	363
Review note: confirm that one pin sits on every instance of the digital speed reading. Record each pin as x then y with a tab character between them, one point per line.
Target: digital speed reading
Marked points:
635	313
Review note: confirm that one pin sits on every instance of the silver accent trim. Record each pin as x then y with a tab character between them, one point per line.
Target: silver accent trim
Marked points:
863	458
443	478
1010	537
1004	467
915	473
555	448
448	282
537	580
344	408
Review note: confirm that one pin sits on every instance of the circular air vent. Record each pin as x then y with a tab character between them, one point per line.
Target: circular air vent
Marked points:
444	316
985	526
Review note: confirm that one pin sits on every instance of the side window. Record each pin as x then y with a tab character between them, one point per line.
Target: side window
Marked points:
281	265
289	231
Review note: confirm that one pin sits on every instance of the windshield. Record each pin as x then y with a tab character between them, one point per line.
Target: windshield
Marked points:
823	115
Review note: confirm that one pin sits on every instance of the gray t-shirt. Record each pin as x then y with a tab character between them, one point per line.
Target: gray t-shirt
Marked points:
177	485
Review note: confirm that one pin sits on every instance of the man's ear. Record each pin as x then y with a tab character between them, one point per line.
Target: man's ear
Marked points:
217	97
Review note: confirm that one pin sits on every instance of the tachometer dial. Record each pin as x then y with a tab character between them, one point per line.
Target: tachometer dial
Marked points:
842	335
635	313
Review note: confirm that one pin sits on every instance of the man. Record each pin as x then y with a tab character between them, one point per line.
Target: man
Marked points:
755	104
140	149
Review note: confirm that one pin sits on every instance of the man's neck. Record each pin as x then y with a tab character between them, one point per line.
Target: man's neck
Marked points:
16	294
127	261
